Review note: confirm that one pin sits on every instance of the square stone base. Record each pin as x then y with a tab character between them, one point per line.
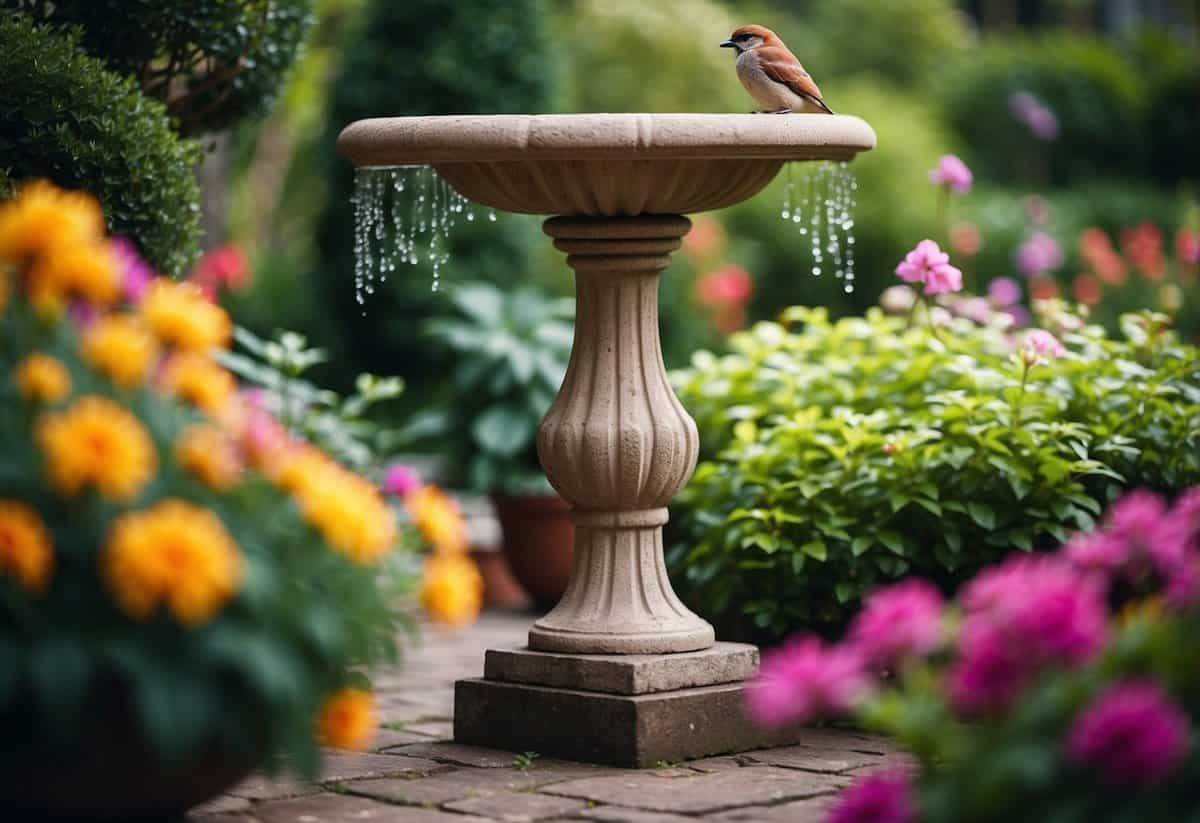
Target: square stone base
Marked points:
620	710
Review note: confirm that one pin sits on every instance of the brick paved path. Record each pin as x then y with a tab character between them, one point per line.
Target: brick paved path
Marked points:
416	775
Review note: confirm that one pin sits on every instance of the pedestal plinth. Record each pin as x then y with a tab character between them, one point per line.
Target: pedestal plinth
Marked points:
622	710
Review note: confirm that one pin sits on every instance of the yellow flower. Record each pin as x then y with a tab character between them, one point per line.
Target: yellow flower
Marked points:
121	347
90	272
452	589
25	549
199	380
42	379
43	217
350	514
183	317
96	443
208	453
175	554
438	518
347	720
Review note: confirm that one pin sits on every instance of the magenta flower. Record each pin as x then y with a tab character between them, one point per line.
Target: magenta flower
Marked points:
898	621
1004	291
881	797
1034	114
1098	552
952	173
136	273
400	480
928	264
1039	254
1040	344
804	679
1133	732
989	671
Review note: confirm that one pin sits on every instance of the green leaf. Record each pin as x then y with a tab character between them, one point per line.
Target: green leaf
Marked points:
815	549
983	514
503	430
892	540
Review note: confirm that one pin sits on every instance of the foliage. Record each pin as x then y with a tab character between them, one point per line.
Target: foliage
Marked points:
846	454
511	350
508	47
191	563
211	62
63	116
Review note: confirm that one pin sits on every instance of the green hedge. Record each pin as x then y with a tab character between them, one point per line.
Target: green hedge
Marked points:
846	454
65	117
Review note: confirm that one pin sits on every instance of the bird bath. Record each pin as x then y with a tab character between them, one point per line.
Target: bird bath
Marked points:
616	443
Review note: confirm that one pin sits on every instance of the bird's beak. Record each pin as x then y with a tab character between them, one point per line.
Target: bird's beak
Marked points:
727	44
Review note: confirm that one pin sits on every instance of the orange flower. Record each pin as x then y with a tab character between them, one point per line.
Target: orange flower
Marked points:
42	379
43	218
25	549
437	516
181	316
347	720
210	455
90	272
96	443
199	380
452	589
175	554
120	347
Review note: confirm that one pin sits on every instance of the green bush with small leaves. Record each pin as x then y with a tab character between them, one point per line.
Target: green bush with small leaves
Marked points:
65	117
843	455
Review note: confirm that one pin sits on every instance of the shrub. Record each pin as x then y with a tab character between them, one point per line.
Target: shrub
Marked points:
63	116
846	454
211	62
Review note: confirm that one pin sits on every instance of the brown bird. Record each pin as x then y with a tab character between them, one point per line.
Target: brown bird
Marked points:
772	74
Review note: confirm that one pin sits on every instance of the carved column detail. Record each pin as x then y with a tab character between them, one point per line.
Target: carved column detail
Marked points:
617	445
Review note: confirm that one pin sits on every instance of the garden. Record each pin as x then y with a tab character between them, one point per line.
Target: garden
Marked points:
392	429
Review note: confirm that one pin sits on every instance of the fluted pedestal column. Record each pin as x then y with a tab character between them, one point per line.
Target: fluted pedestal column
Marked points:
617	445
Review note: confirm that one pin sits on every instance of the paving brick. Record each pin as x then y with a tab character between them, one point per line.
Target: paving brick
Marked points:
810	810
462	783
338	808
260	787
620	814
728	789
813	759
518	807
339	766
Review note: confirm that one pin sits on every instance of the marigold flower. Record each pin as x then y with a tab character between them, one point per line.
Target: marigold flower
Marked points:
804	679
347	720
438	517
96	443
89	272
347	509
181	316
881	797
121	347
26	552
199	380
1133	732
44	217
174	554
210	455
452	589
42	378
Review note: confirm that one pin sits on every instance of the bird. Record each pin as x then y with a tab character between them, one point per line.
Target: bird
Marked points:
772	74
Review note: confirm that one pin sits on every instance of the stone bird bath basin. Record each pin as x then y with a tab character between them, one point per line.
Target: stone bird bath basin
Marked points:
616	444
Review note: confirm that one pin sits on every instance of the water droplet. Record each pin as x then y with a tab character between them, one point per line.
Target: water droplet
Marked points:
821	205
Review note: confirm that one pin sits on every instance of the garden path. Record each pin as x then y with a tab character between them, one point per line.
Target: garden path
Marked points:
416	775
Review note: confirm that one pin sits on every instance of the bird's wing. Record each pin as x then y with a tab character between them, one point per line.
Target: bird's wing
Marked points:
782	66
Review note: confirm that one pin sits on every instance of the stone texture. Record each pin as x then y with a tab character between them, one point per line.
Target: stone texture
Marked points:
618	730
831	761
261	787
339	766
221	804
809	810
624	673
700	794
338	808
518	807
620	814
462	783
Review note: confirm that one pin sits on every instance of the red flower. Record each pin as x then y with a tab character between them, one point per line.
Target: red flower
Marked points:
1087	290
225	266
1143	244
728	285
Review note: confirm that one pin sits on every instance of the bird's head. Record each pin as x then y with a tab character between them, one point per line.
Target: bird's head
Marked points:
748	38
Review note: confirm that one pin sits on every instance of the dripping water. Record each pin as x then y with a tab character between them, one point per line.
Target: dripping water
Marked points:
820	204
403	215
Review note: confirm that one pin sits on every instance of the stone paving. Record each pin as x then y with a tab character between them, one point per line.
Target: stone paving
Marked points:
418	775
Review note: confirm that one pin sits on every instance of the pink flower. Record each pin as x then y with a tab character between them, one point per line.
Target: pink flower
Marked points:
897	299
928	264
1034	114
1098	552
952	173
728	285
1187	246
881	797
804	679
989	671
976	309
400	480
136	272
1133	732
1004	291
898	621
1039	254
1041	344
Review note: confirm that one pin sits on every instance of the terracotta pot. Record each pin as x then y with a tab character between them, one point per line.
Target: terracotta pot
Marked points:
539	543
112	773
500	589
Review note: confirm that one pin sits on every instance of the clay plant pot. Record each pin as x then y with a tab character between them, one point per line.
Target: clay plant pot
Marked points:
539	543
